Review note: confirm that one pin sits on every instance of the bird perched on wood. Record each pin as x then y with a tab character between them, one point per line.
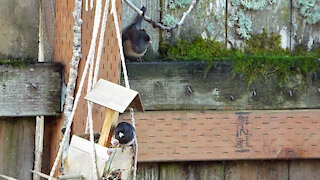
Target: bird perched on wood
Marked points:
125	133
135	40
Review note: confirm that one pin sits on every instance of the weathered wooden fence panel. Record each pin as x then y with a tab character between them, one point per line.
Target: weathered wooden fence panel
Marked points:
305	26
227	135
231	170
304	169
182	86
260	170
31	90
233	21
19	29
17	147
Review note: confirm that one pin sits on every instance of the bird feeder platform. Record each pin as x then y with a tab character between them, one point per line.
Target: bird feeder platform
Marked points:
109	160
116	99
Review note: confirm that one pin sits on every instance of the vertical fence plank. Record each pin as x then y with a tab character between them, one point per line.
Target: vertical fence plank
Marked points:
304	169
192	170
262	170
148	171
305	34
273	17
17	146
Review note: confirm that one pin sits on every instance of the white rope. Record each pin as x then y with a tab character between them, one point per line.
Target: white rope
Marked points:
92	82
101	40
90	58
87	4
101	43
126	80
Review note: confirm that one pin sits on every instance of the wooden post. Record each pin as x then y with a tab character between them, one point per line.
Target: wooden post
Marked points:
110	119
39	119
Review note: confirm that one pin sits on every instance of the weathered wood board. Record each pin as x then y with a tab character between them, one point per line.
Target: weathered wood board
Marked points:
207	20
227	135
191	170
148	171
231	170
304	169
182	86
261	170
17	147
304	34
25	89
274	18
19	31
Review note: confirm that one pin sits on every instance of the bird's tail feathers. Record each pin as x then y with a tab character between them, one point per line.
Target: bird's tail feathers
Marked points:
138	23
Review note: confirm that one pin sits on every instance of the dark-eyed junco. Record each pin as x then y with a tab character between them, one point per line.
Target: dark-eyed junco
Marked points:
125	133
135	40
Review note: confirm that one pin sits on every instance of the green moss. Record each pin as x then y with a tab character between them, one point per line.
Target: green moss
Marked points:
261	57
14	63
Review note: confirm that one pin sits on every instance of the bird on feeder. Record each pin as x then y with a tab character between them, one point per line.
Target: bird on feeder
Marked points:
125	134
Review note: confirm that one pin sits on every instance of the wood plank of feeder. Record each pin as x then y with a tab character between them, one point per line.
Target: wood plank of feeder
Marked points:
114	96
106	132
227	135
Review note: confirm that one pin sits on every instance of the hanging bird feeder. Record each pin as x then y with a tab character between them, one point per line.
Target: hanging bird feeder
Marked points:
116	99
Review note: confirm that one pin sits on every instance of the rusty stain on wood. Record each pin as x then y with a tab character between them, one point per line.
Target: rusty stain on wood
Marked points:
25	89
226	135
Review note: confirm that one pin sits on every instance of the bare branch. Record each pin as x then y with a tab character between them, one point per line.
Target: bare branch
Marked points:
160	25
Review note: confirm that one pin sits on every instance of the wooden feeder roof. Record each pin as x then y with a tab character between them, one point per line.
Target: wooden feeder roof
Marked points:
114	96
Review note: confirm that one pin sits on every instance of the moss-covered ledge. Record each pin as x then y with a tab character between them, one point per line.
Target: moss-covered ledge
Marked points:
183	85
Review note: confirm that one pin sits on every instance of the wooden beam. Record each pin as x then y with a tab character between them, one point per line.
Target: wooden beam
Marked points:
182	85
227	135
111	118
25	89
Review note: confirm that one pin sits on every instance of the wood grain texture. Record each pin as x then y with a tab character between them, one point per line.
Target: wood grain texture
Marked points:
252	170
304	169
226	135
192	170
19	29
273	18
182	86
17	147
231	170
106	133
148	171
304	35
25	89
